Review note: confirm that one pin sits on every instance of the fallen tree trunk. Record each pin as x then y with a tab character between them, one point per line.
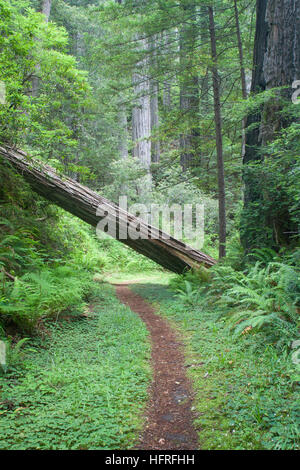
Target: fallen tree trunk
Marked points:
81	201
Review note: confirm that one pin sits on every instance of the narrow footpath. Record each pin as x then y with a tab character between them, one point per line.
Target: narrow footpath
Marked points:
169	418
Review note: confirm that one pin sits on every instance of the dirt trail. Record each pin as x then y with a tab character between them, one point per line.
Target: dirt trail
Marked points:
169	417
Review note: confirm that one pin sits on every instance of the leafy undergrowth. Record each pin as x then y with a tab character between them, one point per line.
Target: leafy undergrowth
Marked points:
245	397
83	387
155	276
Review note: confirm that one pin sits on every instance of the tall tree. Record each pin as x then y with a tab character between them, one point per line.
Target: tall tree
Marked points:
189	85
165	38
122	121
276	64
154	89
141	114
219	138
45	9
242	69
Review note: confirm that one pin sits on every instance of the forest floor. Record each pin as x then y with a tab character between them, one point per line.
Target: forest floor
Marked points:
144	370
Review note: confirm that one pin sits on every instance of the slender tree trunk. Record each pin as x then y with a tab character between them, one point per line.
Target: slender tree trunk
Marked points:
219	139
45	8
155	144
167	82
189	88
141	116
123	132
240	48
242	70
122	124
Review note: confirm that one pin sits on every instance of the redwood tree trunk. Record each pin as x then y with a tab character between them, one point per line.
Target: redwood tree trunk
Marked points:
84	203
276	64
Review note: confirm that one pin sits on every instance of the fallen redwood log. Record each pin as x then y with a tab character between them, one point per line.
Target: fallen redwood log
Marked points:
84	203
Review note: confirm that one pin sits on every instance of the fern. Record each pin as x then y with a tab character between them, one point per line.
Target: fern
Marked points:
45	293
188	294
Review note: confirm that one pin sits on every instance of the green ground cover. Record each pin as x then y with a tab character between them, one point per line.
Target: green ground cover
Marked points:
245	397
84	386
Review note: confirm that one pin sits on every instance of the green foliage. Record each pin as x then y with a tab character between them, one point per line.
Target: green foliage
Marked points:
247	392
83	387
43	85
266	298
187	293
14	354
119	258
52	256
35	296
271	217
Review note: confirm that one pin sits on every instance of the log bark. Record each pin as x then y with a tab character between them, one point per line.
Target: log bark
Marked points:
82	202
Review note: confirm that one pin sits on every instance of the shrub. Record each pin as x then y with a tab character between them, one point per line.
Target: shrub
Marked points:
42	294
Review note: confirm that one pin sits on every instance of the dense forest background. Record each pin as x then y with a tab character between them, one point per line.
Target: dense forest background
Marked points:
174	101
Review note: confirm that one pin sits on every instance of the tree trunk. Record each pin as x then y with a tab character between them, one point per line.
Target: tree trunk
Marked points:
123	132
242	70
189	88
276	63
123	124
240	49
219	139
141	117
85	203
45	8
165	37
155	144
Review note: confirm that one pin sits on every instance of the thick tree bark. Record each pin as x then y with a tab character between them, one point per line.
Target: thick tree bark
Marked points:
258	81
219	139
84	203
281	66
276	63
